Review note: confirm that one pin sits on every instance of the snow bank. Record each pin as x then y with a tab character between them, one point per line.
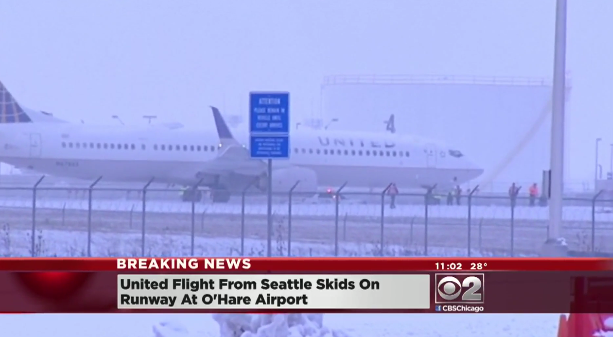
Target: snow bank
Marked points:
261	325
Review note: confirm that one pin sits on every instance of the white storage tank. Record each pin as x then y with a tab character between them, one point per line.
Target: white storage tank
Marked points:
488	119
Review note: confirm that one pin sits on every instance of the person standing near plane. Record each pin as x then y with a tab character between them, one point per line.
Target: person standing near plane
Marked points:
392	191
513	192
450	198
533	192
458	195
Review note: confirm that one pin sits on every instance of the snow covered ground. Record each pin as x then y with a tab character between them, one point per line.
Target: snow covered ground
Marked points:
570	213
355	325
73	244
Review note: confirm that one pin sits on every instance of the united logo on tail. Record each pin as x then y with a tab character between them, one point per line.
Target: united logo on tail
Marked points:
389	124
10	111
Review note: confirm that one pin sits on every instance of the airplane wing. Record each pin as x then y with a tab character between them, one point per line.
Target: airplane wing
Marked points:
232	155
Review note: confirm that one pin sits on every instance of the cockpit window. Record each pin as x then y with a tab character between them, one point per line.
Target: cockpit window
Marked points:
455	153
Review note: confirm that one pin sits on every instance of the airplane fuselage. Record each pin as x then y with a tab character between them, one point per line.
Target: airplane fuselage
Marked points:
184	156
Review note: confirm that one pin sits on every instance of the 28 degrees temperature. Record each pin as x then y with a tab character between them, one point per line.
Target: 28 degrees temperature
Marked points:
478	265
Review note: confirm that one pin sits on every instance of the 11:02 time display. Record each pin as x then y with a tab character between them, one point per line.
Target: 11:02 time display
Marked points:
448	266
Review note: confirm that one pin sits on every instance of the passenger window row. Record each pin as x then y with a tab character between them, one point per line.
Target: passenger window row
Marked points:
379	153
198	148
156	147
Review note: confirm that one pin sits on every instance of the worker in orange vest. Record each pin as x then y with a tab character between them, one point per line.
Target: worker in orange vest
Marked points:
533	192
392	191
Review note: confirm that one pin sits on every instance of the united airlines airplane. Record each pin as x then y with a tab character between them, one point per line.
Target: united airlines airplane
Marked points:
40	142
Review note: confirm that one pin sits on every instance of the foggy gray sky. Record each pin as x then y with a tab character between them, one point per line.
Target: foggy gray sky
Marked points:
92	59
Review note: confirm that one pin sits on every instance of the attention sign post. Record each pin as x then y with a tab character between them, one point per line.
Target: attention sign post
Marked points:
269	136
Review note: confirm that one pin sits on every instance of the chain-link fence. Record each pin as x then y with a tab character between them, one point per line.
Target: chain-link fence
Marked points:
107	221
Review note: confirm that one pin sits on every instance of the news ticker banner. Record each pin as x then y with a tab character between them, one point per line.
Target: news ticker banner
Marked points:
274	292
306	285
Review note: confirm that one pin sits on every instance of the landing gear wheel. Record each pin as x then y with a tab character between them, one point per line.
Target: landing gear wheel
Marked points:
262	183
191	195
220	195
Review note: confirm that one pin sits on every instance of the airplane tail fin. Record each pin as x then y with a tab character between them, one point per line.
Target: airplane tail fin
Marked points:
10	110
226	139
232	155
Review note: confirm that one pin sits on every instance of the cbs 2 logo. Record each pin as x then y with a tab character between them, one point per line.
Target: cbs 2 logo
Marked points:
451	287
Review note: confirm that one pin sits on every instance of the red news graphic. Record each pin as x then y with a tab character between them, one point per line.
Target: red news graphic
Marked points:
530	285
314	264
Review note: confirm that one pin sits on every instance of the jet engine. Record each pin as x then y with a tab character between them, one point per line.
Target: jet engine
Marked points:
284	179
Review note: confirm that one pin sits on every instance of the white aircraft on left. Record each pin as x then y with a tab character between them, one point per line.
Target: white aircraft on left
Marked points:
39	142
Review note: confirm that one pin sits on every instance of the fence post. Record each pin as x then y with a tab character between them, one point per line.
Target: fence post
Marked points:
143	216
64	214
383	216
411	230
131	215
243	215
513	228
594	219
337	200
34	188
427	198
195	193
481	235
202	220
470	199
89	216
513	203
345	227
289	218
243	222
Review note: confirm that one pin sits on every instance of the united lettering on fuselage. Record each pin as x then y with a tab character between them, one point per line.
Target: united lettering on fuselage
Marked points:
325	141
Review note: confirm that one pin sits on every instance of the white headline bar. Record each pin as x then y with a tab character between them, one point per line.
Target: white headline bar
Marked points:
259	292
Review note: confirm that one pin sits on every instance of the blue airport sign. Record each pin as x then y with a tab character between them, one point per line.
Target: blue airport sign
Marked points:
269	125
269	112
269	147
